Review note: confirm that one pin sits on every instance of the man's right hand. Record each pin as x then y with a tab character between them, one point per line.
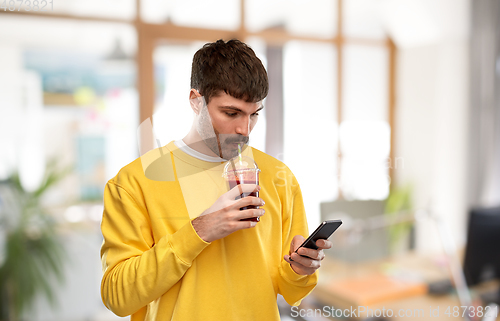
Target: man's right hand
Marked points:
224	216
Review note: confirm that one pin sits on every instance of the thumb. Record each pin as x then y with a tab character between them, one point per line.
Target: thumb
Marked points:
296	242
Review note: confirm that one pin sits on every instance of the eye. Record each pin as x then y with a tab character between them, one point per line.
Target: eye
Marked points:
230	114
256	114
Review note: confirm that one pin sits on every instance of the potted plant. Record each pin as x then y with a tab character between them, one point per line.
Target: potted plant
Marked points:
398	203
33	254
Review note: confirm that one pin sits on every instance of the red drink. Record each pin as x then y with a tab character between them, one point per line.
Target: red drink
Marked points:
245	176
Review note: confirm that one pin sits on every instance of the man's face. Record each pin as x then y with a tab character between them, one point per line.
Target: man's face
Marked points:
225	122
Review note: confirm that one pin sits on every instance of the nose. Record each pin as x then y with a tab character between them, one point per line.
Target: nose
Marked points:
243	127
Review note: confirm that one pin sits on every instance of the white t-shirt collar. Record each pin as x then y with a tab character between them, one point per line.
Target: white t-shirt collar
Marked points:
196	154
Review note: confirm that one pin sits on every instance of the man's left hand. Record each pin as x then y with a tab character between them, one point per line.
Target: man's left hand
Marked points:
306	261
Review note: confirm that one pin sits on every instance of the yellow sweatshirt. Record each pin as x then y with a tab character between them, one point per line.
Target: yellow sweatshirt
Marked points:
157	268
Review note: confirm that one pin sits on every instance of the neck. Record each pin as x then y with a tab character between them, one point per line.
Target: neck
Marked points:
194	140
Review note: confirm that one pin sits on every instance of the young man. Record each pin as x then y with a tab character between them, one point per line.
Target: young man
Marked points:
176	245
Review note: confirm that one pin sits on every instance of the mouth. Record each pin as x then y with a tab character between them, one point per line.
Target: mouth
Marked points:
236	144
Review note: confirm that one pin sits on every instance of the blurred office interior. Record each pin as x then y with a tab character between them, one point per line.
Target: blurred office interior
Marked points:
387	112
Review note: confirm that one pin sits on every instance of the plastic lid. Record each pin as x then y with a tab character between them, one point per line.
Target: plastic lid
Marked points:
240	164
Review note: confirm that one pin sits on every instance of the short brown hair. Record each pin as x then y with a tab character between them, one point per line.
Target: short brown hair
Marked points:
231	67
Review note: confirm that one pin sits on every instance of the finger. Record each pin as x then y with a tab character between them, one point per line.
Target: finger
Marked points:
250	213
242	188
313	254
241	225
299	268
248	201
289	259
305	261
324	244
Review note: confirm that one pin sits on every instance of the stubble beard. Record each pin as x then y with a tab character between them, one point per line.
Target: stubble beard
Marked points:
220	144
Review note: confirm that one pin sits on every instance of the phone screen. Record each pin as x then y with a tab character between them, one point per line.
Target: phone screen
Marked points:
324	231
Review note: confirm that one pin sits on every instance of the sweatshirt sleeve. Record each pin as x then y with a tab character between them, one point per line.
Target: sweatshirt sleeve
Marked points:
136	270
292	286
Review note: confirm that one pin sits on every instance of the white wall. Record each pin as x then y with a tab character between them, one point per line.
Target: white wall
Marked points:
432	108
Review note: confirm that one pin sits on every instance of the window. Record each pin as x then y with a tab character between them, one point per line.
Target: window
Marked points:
336	84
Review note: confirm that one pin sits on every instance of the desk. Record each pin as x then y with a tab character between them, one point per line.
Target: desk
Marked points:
420	307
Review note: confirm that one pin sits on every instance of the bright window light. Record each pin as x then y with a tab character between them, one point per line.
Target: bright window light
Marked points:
365	147
95	212
317	18
212	14
310	122
74	214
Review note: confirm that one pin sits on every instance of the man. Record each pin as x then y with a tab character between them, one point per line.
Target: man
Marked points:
176	244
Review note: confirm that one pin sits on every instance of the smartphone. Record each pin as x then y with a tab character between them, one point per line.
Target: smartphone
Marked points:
324	230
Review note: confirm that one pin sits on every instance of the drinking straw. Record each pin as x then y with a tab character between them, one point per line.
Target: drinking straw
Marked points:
234	170
241	163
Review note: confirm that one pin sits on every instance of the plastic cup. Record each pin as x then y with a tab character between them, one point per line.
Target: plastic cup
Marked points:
237	173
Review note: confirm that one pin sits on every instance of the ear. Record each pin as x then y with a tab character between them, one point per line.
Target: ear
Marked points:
196	101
